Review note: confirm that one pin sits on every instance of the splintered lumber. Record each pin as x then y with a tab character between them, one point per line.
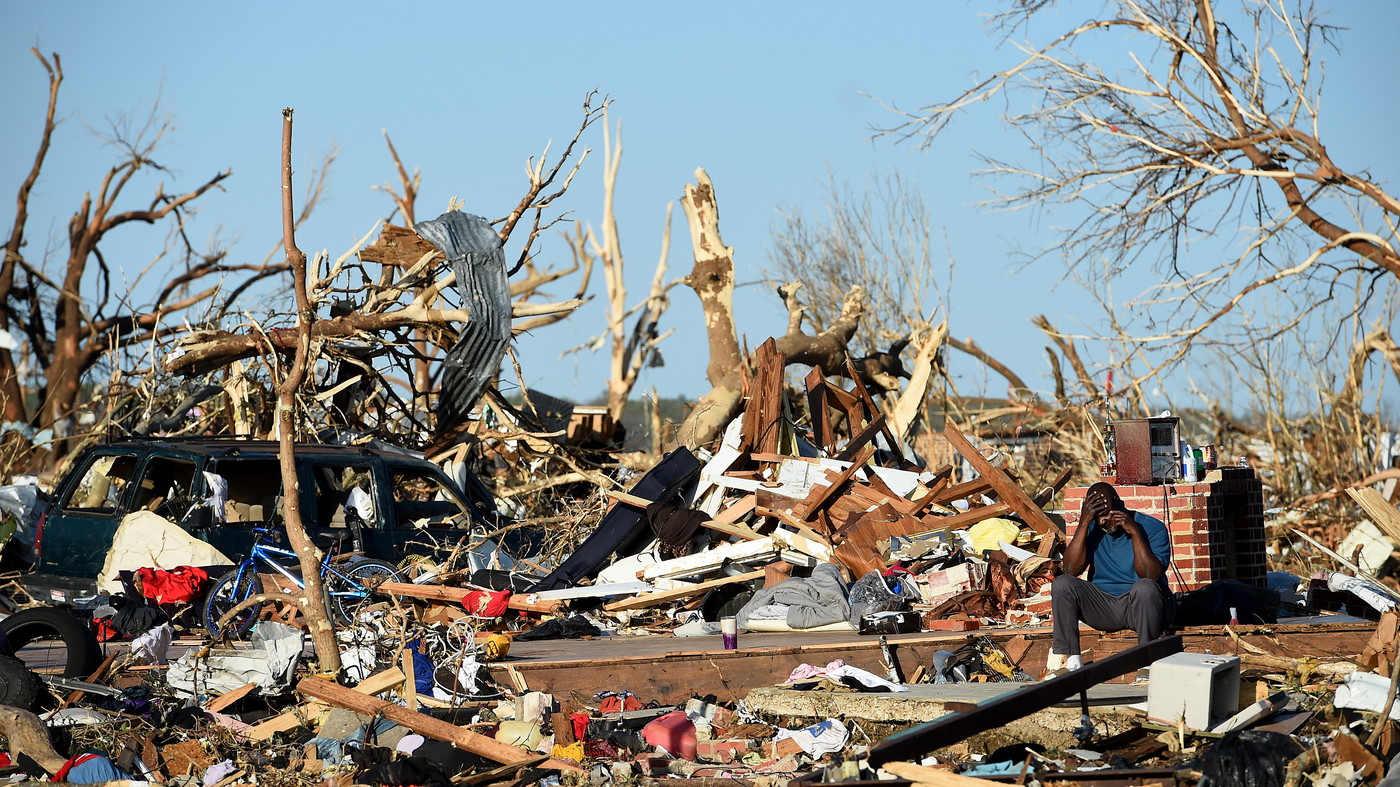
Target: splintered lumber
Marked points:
915	742
817	406
976	486
652	599
222	701
862	437
762	425
1009	491
764	549
934	777
967	518
1386	517
437	729
739	509
820	495
374	684
455	596
27	735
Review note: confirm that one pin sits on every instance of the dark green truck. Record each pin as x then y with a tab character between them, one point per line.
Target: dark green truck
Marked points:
416	507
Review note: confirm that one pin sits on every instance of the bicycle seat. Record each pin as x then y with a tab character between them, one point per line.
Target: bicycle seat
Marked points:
340	537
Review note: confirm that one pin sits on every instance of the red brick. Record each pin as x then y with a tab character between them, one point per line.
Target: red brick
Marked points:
724	751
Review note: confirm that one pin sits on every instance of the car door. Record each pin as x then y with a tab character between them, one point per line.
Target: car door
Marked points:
431	515
334	502
254	483
78	532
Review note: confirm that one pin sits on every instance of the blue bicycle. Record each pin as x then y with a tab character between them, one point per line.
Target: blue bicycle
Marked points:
348	586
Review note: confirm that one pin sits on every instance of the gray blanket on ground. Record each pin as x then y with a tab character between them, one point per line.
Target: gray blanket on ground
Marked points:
814	601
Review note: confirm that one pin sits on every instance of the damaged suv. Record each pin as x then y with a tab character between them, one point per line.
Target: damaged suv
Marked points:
401	504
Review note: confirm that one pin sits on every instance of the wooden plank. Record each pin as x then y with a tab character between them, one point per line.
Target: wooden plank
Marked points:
1386	517
820	495
934	777
374	684
736	511
819	409
455	596
222	701
410	686
1009	491
664	596
762	425
793	522
422	724
1048	493
711	559
967	518
859	440
859	387
976	486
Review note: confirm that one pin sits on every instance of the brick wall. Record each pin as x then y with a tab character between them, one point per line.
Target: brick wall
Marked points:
1217	527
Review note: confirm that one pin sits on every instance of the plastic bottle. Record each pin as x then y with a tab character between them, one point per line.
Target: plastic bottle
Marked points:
1110	447
1188	464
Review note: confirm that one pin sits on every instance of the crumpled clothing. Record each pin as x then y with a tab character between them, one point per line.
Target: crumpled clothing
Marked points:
809	671
864	677
818	600
218	772
423	668
486	603
152	647
573	751
89	769
1034	574
824	737
1367	592
179	585
675	525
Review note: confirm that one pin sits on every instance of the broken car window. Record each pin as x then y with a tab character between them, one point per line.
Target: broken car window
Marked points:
344	491
165	487
254	489
103	483
421	499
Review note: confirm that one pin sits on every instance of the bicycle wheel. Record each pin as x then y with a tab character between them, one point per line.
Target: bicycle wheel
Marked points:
226	594
352	593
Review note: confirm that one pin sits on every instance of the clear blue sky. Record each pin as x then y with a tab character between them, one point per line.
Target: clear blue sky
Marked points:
763	95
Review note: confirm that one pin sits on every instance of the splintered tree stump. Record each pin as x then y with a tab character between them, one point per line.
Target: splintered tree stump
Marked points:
27	735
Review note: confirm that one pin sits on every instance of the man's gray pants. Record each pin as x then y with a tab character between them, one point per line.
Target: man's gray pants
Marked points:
1146	608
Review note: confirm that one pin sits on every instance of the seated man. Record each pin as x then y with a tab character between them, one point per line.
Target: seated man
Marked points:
1127	554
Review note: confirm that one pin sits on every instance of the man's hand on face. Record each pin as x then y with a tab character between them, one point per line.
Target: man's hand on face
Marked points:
1096	508
1115	521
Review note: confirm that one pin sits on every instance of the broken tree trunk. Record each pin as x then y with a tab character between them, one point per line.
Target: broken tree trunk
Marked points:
712	279
313	606
27	735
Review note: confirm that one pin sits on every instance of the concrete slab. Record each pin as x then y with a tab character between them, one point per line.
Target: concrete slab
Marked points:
1052	727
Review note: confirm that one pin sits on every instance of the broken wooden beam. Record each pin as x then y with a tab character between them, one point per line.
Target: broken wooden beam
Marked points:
821	495
967	518
427	726
1009	491
374	684
651	599
859	439
455	596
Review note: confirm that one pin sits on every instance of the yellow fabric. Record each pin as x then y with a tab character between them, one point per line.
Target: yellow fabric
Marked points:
520	733
497	646
989	533
573	751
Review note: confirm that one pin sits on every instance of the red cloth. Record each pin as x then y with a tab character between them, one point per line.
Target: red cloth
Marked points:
180	585
486	603
77	759
580	722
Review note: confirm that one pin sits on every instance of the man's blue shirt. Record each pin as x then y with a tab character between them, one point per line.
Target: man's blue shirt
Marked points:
1111	556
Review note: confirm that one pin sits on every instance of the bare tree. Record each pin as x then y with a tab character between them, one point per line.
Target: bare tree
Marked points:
313	600
633	350
1186	126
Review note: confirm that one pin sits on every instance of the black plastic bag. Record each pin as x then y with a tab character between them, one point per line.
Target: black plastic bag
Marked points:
1249	758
